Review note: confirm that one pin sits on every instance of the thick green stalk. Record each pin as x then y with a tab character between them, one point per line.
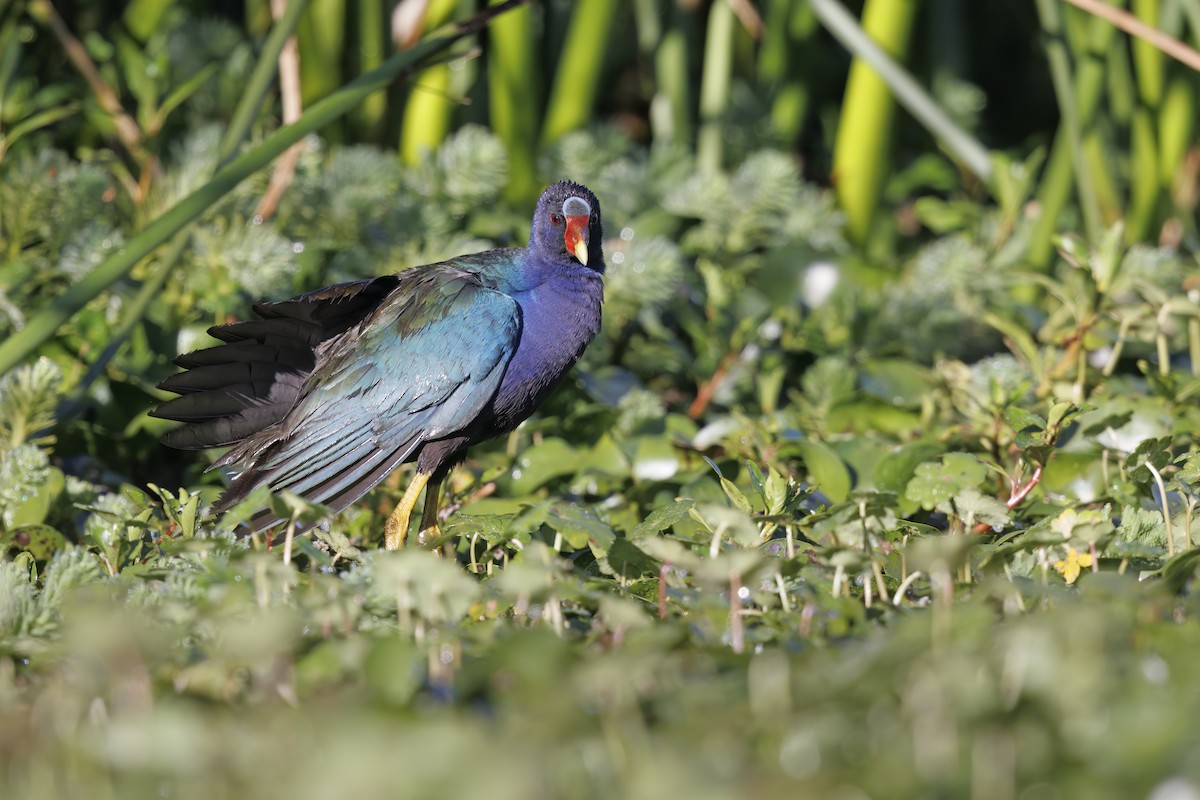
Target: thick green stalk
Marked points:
1097	158
427	114
864	133
577	79
973	155
1062	172
1119	86
1054	191
141	17
256	17
1077	101
648	21
10	57
371	26
513	99
41	327
787	34
714	85
671	106
1144	176
321	38
259	82
1148	61
429	108
1176	126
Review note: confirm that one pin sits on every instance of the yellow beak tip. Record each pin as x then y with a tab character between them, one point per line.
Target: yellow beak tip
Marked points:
581	252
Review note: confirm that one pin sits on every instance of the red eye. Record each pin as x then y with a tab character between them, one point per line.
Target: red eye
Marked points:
557	219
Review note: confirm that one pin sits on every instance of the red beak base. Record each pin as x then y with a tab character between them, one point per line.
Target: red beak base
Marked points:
576	237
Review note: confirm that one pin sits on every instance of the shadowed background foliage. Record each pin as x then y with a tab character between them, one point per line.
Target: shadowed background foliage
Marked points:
879	480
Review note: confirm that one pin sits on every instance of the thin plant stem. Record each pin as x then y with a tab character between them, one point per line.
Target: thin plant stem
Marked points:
904	586
1166	509
1193	326
1160	342
1189	512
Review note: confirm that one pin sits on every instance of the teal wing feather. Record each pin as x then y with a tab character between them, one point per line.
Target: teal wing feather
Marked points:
420	368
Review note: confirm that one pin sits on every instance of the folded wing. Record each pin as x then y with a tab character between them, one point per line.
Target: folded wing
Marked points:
327	395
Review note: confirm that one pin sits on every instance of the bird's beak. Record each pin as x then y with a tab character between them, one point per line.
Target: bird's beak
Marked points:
577	236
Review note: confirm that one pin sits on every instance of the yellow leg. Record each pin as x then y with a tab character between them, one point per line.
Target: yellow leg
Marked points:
429	530
396	529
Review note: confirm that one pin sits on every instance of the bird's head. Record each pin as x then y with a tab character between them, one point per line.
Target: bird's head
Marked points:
566	226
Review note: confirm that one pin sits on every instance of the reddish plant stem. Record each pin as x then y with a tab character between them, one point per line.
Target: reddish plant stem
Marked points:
705	394
1016	495
1020	494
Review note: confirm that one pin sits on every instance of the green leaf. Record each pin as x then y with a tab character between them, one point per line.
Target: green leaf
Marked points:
34	510
292	507
1150	452
896	469
1189	467
735	495
40	541
662	518
825	468
896	382
183	91
434	589
1090	525
580	528
1021	420
729	524
655	459
537	465
626	560
936	482
1142	526
973	506
28	400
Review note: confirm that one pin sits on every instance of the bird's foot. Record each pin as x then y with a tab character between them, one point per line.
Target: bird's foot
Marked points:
395	531
428	535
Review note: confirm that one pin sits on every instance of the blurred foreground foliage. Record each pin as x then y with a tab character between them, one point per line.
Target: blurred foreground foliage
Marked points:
799	523
803	521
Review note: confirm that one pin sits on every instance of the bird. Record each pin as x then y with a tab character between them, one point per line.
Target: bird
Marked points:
329	392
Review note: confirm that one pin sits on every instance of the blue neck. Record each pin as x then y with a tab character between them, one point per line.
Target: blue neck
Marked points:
560	315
